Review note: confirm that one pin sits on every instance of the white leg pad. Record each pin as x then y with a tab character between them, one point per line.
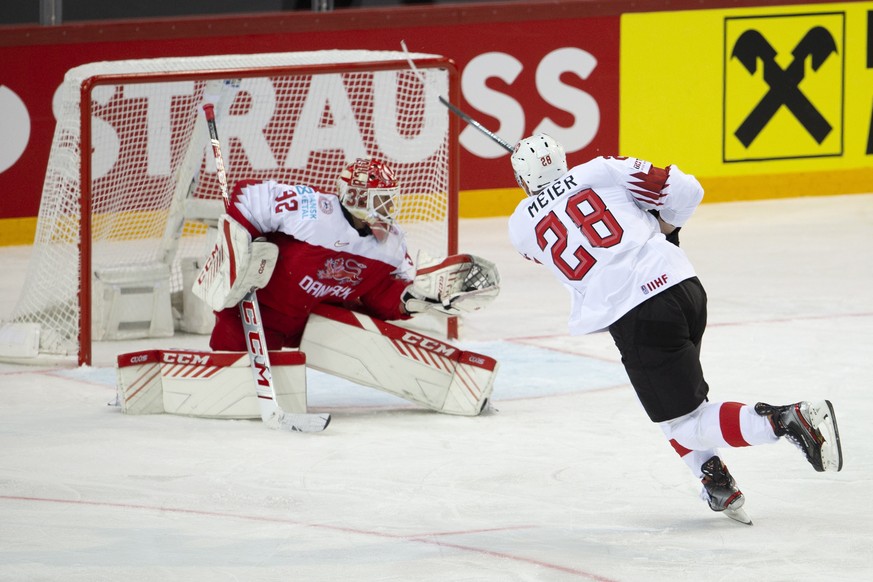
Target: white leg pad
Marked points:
410	365
205	384
138	382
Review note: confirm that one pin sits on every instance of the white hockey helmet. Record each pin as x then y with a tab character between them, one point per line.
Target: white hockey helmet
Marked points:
369	190
538	161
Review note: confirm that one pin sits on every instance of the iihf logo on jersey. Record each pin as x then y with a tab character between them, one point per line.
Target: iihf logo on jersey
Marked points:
654	284
342	270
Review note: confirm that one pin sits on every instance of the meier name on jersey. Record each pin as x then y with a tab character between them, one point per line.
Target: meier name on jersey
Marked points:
551	193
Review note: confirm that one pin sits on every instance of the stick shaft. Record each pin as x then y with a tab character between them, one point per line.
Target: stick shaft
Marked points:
454	108
256	342
470	121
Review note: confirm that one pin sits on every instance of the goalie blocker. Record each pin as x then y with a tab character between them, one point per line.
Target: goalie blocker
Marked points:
343	343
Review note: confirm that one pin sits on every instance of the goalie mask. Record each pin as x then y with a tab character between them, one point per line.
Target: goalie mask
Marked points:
537	162
368	189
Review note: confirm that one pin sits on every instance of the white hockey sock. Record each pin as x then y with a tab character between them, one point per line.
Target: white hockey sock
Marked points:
719	424
695	459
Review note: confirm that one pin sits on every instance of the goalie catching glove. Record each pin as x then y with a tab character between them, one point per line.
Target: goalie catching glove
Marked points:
453	285
236	266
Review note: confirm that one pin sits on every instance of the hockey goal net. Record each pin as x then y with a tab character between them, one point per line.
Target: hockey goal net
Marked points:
120	231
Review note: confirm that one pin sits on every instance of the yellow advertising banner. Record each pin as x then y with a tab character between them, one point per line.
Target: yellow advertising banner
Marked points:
757	102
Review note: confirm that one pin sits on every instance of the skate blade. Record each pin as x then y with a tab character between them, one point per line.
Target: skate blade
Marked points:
739	514
823	418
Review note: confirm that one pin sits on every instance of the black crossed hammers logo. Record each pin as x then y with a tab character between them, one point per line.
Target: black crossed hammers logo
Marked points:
784	83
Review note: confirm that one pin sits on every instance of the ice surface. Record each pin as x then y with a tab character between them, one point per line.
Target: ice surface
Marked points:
568	481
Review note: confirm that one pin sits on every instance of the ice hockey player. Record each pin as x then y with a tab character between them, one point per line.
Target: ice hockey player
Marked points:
302	248
592	227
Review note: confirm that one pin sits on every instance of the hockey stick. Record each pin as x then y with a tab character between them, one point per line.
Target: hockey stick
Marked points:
454	108
256	342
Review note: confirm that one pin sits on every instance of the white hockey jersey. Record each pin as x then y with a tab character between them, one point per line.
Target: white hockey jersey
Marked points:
322	257
592	229
317	219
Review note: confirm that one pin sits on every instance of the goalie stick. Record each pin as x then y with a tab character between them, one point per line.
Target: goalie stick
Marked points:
256	344
454	108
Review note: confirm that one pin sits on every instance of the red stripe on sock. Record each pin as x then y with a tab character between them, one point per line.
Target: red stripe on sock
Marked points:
729	421
680	450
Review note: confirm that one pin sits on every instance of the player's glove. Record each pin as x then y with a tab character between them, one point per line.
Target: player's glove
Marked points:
452	286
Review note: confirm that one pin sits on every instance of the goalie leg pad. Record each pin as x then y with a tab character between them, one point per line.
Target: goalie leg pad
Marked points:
404	363
205	384
138	382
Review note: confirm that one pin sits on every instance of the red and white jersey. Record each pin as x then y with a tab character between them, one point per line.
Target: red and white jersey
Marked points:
592	229
322	257
315	218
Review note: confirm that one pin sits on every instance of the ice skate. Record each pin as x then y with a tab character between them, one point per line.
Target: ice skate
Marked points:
721	492
812	426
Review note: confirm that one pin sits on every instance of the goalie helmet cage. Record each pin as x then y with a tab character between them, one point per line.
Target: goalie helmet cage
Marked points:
142	202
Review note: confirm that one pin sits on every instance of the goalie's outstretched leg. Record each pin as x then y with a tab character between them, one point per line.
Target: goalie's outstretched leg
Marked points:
405	363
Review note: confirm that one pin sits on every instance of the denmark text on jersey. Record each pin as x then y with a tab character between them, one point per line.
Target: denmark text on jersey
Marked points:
556	190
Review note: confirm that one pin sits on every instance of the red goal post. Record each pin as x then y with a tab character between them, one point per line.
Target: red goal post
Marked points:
120	231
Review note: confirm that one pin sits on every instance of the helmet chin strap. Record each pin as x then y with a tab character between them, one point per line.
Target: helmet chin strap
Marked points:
380	231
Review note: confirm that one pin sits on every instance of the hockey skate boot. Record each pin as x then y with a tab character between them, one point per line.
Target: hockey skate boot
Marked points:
812	427
721	492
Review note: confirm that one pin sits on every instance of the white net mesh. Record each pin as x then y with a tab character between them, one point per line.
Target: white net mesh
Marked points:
294	117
